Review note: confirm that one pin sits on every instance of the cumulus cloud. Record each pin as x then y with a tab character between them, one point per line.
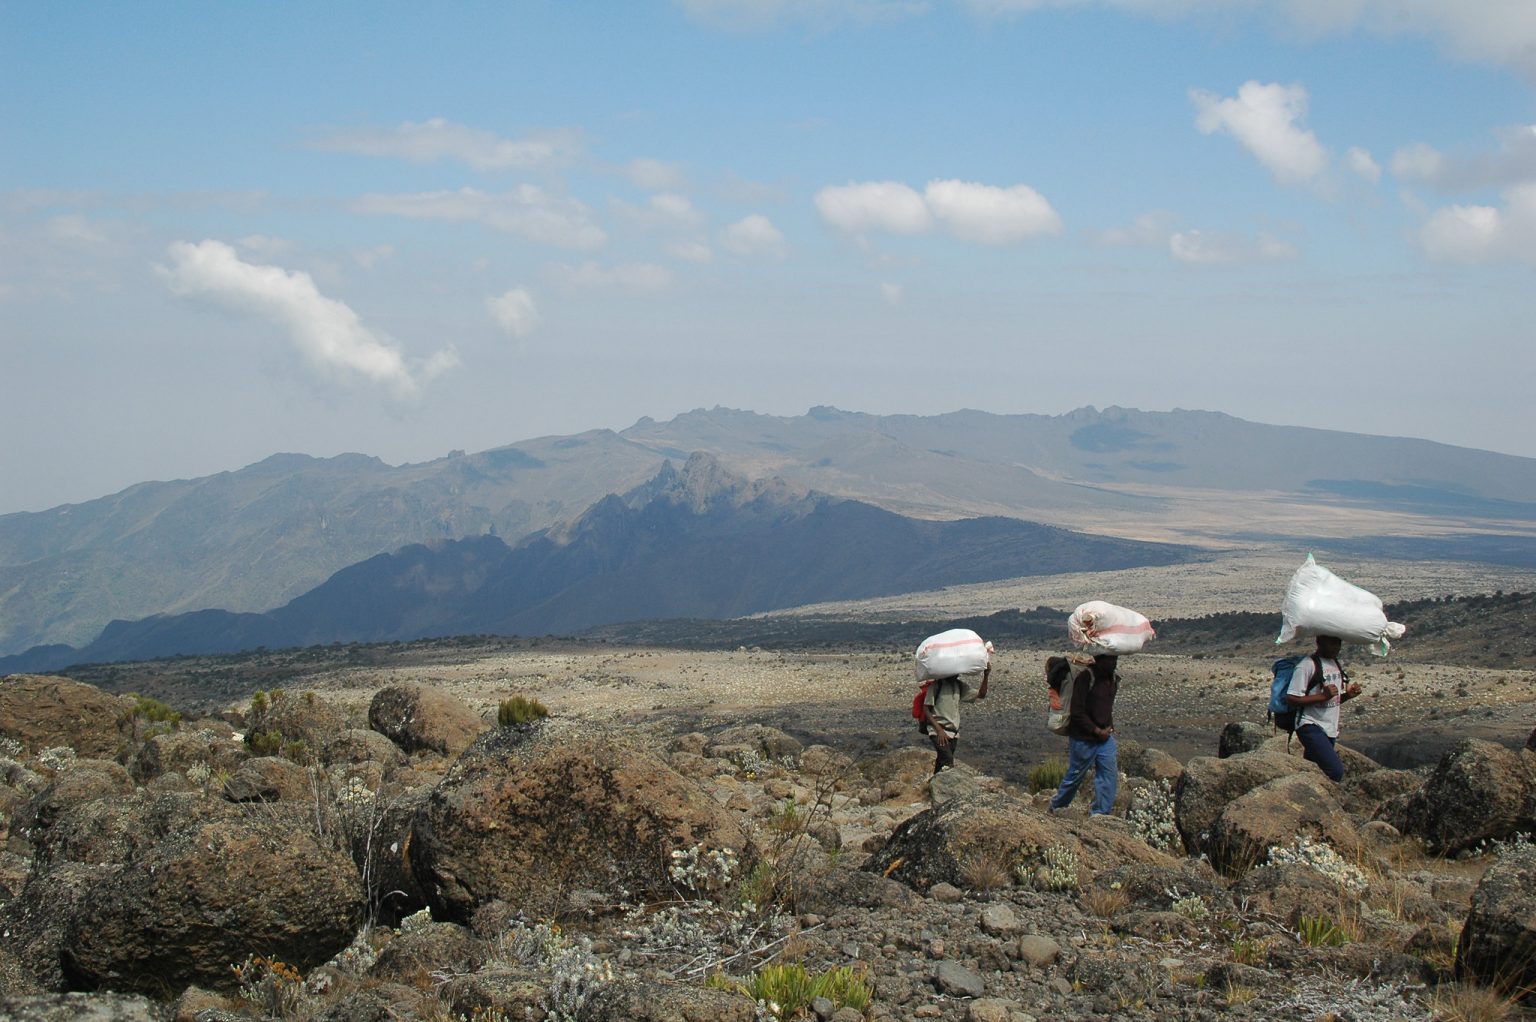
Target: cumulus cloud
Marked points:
966	210
753	235
1485	234
990	215
859	208
691	250
638	277
514	311
1363	164
1501	31
663	211
744	15
438	140
528	211
655	175
1212	248
1511	161
326	332
1149	229
1266	120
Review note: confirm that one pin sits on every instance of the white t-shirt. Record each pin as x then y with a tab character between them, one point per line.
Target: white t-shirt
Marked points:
1324	715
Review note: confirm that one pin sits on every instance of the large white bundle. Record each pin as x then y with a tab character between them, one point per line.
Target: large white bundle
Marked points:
957	651
1101	627
1318	602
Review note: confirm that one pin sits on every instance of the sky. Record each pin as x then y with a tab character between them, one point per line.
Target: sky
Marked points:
233	230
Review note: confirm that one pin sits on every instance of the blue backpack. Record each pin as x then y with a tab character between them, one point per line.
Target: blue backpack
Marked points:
1281	712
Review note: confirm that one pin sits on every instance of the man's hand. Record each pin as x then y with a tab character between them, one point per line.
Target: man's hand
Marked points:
940	738
981	693
1329	691
1352	691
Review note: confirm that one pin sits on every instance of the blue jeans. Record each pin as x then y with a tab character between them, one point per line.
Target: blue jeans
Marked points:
1319	749
1082	754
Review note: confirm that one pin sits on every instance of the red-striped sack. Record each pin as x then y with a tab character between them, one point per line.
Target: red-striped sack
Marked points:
1101	627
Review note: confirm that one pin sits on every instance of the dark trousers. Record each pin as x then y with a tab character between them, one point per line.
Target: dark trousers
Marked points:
1319	749
946	753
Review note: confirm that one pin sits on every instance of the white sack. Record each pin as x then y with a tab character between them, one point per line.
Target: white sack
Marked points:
1318	602
957	651
1101	627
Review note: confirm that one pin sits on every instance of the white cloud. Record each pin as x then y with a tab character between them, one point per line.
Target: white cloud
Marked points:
691	250
514	311
990	215
1149	229
528	211
437	139
1501	31
1211	248
1511	162
666	211
967	210
368	258
326	332
743	15
891	293
1485	234
1363	164
624	276
753	236
858	208
1265	120
655	176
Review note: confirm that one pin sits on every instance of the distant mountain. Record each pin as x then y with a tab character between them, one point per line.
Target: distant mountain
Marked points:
257	538
698	543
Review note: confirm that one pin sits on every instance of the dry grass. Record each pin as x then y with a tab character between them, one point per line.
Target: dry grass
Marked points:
1104	902
983	873
1465	1002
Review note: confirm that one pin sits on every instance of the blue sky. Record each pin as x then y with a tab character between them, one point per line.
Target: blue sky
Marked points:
228	230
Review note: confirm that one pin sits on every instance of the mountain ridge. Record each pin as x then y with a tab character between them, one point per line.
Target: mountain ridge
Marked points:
258	537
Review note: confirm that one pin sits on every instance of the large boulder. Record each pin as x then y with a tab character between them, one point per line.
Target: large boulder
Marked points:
113	831
208	895
1498	942
417	718
946	842
532	812
214	747
36	925
1355	762
1240	736
270	779
83	1008
83	781
43	712
303	719
1209	784
1478	791
1275	814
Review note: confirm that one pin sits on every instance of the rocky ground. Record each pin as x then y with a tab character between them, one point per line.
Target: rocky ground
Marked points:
682	820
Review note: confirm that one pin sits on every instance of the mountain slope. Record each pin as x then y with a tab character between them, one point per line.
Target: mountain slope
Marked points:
257	538
695	543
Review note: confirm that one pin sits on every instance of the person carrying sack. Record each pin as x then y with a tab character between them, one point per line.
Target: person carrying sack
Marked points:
1317	704
1091	736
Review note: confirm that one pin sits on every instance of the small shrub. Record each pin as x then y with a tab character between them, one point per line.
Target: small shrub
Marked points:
1056	870
274	987
156	712
1105	902
1465	1002
983	873
1320	931
1246	951
786	991
1193	907
264	743
519	710
1047	776
787	818
1237	994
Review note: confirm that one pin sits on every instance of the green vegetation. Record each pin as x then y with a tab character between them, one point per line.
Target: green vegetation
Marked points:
519	710
786	991
1047	776
1320	931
